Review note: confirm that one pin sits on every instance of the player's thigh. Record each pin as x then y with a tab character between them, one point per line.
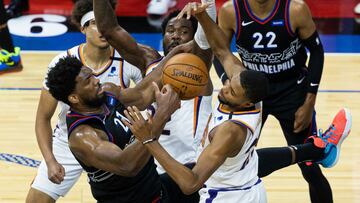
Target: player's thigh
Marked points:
36	196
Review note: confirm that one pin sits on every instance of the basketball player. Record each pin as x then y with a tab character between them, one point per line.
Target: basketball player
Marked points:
182	134
119	168
271	37
226	170
59	170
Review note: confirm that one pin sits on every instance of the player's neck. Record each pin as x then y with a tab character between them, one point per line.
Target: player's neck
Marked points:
95	57
262	8
87	110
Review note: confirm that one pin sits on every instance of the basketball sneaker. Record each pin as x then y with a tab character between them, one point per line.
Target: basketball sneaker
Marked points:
333	137
10	62
160	7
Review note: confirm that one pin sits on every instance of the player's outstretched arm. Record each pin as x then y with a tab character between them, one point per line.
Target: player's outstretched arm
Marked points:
226	142
119	38
216	38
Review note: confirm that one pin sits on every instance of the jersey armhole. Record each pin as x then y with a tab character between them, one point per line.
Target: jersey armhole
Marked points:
238	19
242	123
287	19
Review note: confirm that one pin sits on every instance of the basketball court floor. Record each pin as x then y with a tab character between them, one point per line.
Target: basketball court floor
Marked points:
19	94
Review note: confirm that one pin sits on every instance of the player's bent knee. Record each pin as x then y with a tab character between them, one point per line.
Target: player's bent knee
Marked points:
311	173
36	196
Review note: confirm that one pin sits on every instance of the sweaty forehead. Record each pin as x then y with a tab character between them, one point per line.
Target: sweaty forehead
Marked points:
179	23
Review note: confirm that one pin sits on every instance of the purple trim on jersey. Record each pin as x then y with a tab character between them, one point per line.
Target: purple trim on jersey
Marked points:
238	19
122	74
152	63
268	18
197	113
242	124
287	19
214	192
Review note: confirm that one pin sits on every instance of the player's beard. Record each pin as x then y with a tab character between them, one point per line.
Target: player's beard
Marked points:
223	101
96	102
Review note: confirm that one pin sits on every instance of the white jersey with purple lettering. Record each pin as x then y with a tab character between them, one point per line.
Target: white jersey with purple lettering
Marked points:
236	180
182	134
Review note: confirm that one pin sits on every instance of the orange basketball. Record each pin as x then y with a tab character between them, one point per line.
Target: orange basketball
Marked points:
187	74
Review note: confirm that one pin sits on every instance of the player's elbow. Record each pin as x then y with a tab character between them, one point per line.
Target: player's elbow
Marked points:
188	190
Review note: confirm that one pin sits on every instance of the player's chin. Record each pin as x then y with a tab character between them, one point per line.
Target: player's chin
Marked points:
221	98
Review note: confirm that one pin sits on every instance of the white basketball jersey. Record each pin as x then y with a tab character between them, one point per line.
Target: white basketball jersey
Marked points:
242	169
116	71
182	134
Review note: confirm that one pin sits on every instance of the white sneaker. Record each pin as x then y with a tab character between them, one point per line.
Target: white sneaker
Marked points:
160	7
357	9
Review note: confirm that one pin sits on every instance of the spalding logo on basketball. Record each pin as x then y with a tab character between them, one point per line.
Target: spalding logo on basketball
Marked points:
187	74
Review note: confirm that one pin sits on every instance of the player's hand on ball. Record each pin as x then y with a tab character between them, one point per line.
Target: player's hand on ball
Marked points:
167	99
192	8
141	128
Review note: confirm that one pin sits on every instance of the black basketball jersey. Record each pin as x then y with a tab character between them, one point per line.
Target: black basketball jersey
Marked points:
269	45
106	186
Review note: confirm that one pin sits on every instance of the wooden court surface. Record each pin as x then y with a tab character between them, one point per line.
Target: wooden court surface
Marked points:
17	134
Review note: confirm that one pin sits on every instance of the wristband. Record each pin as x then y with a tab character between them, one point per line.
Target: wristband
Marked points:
149	140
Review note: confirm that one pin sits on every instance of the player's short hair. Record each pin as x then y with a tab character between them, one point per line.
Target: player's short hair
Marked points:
82	7
255	84
61	79
172	15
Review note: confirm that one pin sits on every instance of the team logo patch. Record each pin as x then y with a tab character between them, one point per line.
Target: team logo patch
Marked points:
277	23
112	72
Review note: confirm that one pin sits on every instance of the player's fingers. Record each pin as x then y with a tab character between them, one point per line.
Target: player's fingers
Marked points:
156	88
133	114
297	127
181	14
55	180
204	6
188	13
166	89
150	119
138	114
129	117
59	176
123	120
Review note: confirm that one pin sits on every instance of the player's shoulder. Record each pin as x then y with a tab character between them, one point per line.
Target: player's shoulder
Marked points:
83	130
298	7
227	7
231	129
63	54
56	59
